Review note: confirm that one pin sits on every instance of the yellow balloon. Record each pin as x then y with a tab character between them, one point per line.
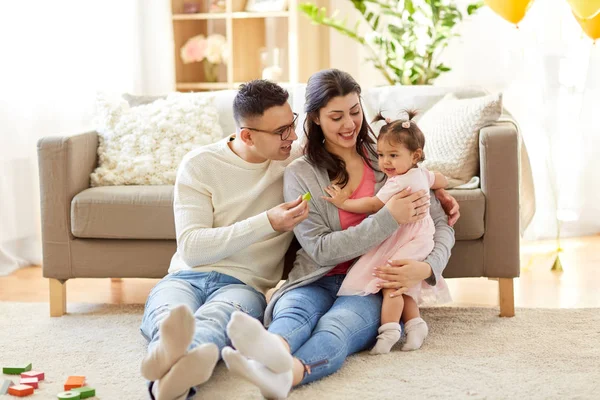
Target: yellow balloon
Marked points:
591	27
511	10
585	8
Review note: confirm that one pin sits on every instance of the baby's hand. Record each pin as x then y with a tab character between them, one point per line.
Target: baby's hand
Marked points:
338	196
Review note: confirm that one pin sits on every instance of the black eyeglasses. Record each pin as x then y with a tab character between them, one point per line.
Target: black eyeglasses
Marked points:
283	132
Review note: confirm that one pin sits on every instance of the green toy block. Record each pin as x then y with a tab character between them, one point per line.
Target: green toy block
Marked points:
16	370
306	196
85	391
5	385
70	395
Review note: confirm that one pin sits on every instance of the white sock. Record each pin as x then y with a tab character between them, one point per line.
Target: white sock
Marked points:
389	334
251	339
272	385
416	332
191	370
176	332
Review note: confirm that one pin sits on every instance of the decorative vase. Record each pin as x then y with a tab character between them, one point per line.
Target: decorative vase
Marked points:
211	71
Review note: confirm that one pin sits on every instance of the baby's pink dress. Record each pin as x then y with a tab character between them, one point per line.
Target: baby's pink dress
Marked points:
410	241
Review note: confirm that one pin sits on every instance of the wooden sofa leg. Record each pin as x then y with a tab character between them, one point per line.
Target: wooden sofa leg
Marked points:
507	297
58	298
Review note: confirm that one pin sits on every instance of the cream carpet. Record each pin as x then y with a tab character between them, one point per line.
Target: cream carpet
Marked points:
470	353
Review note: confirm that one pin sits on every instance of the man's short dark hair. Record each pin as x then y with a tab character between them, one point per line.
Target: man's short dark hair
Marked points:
256	97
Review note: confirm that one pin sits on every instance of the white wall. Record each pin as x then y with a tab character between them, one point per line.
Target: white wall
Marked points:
348	55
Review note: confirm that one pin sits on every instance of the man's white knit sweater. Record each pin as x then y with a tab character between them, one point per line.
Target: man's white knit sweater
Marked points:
220	205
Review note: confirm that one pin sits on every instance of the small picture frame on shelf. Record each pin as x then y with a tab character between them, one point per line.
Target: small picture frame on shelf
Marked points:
217	6
266	5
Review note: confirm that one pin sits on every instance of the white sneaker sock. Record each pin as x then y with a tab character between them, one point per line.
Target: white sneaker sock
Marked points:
176	332
416	332
389	334
272	385
191	370
251	339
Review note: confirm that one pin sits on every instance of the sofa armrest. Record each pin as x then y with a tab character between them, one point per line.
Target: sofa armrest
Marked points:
65	164
499	170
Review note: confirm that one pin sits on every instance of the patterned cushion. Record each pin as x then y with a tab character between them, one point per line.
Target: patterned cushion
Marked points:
144	145
451	129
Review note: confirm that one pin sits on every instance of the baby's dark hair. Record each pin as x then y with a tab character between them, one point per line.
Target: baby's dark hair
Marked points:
403	131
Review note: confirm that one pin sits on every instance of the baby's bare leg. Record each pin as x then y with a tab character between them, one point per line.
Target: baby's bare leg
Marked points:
411	310
392	307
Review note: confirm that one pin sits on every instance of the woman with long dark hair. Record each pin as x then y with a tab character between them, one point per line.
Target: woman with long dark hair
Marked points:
311	330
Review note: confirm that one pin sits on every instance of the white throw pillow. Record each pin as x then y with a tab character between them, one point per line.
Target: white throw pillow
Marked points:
451	129
144	145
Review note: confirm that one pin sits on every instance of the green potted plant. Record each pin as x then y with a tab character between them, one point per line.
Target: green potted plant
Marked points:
405	37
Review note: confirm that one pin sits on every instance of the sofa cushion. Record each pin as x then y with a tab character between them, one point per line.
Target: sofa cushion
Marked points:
146	212
124	212
471	224
451	129
144	145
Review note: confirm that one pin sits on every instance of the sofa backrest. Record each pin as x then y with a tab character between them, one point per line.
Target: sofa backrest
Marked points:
388	99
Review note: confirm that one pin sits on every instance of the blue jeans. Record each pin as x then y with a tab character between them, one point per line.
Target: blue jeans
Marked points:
211	296
323	329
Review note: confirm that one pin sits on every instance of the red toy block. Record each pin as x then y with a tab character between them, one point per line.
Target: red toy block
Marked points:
33	382
74	382
33	374
20	390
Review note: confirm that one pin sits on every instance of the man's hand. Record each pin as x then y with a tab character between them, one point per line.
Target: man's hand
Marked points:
286	216
449	204
407	208
402	275
338	196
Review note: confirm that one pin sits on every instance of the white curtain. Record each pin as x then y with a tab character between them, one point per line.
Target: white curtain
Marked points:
56	55
549	72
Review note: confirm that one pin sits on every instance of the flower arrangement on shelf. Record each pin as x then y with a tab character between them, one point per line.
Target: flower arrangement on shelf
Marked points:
211	51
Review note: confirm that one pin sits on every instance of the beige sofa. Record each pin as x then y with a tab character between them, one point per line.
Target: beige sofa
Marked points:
128	231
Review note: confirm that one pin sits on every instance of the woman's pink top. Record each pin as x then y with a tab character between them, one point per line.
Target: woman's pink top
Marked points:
366	188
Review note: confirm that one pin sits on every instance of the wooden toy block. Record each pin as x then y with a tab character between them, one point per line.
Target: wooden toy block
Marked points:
5	385
74	382
70	395
33	382
20	390
33	374
16	370
85	392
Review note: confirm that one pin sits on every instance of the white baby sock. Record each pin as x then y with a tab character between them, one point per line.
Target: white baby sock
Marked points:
389	334
191	370
251	339
272	385
416	332
176	332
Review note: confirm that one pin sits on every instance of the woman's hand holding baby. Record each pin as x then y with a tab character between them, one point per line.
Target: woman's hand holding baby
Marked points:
402	275
449	204
407	208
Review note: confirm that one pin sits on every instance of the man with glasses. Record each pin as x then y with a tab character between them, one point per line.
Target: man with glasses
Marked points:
233	229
